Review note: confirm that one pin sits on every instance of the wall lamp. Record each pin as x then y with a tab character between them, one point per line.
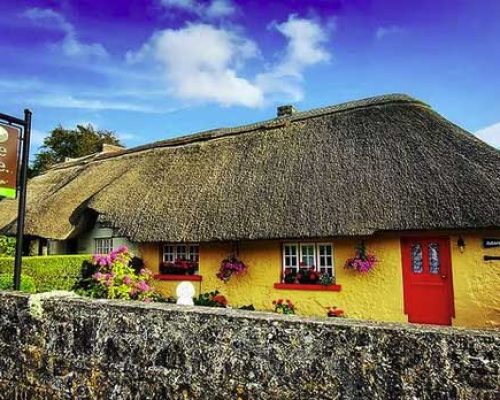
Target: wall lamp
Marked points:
461	244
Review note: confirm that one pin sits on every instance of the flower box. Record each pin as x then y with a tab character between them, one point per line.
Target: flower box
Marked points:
178	267
168	277
302	286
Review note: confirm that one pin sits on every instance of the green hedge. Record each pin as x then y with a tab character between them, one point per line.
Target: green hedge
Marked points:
27	283
48	272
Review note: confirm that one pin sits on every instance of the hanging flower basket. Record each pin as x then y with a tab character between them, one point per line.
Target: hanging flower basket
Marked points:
362	260
229	267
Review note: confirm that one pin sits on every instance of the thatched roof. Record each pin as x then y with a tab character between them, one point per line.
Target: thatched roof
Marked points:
388	163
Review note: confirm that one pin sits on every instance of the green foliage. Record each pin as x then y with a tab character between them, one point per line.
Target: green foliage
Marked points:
49	272
7	246
112	276
211	299
27	283
284	306
74	143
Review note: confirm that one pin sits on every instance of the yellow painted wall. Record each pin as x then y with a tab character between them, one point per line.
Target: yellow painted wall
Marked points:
377	295
476	282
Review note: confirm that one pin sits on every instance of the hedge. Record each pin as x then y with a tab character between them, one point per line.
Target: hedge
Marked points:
27	283
48	272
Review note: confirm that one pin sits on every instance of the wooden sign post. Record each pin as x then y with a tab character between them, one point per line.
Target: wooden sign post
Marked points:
14	157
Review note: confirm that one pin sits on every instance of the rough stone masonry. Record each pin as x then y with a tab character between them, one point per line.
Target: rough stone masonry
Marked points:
74	348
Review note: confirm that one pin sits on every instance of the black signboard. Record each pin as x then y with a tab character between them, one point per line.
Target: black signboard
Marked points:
488	243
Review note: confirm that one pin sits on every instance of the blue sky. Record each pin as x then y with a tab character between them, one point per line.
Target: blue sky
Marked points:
154	69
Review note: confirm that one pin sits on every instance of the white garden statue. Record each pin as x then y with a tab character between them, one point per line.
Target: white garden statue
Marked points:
185	292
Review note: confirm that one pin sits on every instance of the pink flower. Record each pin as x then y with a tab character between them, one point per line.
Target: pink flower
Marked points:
127	280
143	286
122	249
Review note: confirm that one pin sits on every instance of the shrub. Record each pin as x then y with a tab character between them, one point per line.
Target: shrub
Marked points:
113	277
284	307
7	246
49	272
335	312
27	283
211	299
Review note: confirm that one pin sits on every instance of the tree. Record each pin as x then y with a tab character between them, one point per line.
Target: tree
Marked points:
73	143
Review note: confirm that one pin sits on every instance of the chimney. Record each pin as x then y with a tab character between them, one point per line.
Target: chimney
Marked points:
286	111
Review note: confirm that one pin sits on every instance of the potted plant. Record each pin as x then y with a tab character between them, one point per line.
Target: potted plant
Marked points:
362	260
230	266
326	279
289	276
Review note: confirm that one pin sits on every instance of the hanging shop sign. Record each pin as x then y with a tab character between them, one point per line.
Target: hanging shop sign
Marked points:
9	139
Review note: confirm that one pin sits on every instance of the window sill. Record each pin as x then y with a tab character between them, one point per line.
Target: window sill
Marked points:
171	277
300	286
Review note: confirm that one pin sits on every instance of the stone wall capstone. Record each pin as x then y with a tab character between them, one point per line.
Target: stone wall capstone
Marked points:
75	348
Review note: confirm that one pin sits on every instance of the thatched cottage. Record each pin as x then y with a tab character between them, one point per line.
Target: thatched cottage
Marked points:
299	192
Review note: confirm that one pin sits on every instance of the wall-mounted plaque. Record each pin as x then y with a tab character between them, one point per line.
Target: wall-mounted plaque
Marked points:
488	243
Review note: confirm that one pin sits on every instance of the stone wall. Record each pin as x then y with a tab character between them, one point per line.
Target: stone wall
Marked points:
72	348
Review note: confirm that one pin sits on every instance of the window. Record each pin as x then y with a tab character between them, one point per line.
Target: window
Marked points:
325	258
183	252
169	253
311	255
103	245
307	255
290	256
434	258
417	265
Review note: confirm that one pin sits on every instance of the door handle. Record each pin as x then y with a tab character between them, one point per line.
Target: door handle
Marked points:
443	276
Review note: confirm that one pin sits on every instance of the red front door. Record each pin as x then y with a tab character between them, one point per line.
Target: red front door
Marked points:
428	291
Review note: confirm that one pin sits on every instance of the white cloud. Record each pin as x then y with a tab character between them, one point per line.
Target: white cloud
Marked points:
490	134
70	44
383	31
306	47
220	8
202	62
68	101
187	5
212	9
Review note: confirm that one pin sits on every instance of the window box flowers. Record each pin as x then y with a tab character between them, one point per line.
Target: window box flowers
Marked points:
178	267
229	267
306	276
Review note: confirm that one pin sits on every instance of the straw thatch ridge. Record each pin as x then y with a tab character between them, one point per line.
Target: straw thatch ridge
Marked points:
388	163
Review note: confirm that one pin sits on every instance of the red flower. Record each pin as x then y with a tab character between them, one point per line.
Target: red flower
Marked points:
219	298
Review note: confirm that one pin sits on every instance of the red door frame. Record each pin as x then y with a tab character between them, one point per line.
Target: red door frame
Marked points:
445	257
